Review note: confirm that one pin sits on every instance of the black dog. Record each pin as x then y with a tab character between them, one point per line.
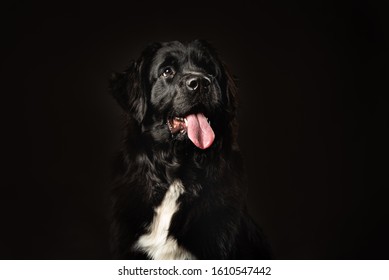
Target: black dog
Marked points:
179	190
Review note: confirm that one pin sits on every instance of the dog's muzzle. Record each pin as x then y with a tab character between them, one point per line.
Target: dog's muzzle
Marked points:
196	126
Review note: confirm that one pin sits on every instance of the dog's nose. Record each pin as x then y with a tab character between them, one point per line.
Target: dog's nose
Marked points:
197	83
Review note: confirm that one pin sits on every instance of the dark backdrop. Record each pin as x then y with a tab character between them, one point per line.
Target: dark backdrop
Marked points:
313	119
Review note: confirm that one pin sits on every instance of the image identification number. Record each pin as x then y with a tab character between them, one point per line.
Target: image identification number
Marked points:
247	270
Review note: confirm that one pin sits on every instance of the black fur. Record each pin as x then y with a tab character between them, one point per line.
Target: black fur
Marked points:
212	220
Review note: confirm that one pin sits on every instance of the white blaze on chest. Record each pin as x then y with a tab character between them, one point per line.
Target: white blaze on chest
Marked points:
156	243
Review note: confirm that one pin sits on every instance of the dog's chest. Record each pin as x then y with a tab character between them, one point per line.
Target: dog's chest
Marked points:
156	243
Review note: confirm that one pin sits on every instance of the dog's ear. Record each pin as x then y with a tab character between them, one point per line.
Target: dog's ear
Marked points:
231	104
126	88
130	87
232	91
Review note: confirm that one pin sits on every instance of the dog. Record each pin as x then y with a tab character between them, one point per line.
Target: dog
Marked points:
179	187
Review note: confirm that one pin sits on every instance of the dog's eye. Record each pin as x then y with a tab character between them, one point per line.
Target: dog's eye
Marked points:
168	72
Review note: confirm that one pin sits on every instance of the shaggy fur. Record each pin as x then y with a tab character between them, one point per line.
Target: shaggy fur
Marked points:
179	189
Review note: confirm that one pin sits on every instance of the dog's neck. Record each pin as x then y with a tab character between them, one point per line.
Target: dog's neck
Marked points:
170	157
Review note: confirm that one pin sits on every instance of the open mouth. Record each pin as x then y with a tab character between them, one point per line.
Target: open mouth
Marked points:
196	126
177	125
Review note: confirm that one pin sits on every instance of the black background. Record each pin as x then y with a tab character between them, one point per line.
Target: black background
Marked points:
313	119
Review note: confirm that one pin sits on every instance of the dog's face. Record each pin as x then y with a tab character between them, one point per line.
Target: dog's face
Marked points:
177	93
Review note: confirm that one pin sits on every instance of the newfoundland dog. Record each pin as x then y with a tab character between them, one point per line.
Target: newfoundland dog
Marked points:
179	190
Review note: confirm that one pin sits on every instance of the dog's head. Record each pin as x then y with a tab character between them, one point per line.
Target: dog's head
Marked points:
178	92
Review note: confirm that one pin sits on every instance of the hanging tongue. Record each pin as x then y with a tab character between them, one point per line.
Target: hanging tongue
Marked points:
199	131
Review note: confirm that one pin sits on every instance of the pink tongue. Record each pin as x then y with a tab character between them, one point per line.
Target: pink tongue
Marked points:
199	131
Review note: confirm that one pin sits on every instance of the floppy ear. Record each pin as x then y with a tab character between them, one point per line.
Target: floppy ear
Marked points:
231	104
126	88
129	88
232	91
